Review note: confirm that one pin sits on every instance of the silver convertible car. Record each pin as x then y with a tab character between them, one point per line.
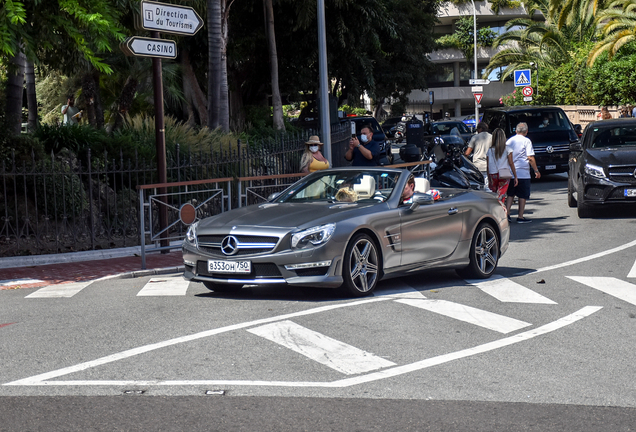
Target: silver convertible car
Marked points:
348	228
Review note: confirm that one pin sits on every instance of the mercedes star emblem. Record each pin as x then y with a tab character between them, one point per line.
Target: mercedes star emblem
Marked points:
229	245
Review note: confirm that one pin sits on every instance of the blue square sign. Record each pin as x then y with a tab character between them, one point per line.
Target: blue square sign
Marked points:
523	78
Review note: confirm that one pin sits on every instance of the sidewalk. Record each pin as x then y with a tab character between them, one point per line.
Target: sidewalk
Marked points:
84	268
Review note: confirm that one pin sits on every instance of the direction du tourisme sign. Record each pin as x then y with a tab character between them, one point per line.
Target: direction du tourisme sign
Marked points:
164	18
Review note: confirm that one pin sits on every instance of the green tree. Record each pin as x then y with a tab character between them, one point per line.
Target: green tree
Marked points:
618	28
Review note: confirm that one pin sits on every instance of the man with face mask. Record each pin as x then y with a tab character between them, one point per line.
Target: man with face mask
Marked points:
363	152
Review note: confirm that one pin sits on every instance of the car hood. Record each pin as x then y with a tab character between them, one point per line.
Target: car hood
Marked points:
283	215
612	156
551	137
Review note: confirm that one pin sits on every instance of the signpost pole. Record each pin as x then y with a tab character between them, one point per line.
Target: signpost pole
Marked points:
475	55
160	144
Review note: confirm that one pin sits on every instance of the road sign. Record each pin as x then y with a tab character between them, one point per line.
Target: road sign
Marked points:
527	91
523	78
168	18
149	47
527	98
478	97
477	89
478	81
431	97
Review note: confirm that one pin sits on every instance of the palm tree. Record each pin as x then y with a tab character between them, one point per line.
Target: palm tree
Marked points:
617	26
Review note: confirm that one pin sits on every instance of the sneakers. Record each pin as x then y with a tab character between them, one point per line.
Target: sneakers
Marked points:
523	220
509	219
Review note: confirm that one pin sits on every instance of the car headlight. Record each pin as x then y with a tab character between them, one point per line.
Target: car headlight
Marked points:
313	236
594	171
191	235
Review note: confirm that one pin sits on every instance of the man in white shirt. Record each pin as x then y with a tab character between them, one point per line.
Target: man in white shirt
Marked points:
523	158
72	114
479	145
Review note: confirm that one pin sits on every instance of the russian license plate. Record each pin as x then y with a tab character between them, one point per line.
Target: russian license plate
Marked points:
229	266
630	193
550	167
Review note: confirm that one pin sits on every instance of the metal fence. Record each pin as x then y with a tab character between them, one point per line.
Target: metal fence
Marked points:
64	204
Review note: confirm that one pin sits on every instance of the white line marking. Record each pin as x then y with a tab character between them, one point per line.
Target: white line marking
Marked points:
60	290
612	286
397	289
165	286
580	260
505	290
489	320
632	272
347	382
330	352
37	379
12	282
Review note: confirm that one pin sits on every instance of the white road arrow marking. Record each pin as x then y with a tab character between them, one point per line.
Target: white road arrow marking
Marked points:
165	286
337	355
632	272
505	290
489	320
612	286
60	290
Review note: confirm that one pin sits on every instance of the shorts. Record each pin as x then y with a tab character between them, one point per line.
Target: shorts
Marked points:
522	190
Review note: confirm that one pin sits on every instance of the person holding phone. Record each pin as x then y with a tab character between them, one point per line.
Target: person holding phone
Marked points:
363	151
72	114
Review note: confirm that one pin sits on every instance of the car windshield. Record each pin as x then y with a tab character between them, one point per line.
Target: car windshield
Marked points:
343	186
613	136
446	127
540	120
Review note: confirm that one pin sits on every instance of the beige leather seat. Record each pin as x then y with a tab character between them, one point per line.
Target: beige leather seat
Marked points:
422	185
366	188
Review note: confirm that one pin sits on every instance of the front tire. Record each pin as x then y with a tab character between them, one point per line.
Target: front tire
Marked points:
361	268
484	253
571	199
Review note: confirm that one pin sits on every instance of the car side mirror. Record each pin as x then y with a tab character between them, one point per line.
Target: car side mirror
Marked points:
421	199
576	146
273	196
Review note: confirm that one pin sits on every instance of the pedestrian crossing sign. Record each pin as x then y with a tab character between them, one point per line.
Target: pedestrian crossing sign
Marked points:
523	78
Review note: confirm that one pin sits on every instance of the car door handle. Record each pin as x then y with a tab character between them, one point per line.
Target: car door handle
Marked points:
453	211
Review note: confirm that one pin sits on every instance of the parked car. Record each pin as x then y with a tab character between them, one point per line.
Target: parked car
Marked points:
551	141
389	125
386	155
347	227
444	128
603	166
469	121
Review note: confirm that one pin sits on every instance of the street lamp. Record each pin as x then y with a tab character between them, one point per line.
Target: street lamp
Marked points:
537	67
475	56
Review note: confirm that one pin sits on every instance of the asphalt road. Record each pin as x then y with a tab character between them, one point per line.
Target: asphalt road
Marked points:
547	345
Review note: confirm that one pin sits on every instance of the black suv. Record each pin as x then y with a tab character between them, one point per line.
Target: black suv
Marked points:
549	129
603	166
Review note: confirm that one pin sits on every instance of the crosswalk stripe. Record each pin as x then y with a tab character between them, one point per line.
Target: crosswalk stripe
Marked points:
60	290
397	289
165	286
632	272
612	286
505	290
482	318
337	355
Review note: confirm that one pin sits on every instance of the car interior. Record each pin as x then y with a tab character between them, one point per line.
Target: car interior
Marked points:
615	137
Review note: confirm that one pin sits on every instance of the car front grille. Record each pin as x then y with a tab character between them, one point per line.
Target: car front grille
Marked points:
622	173
313	271
558	148
247	244
595	192
259	271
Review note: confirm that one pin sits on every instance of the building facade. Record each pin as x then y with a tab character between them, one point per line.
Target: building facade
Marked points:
452	92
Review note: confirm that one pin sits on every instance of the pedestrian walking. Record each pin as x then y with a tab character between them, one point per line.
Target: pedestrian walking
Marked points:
478	146
523	158
499	158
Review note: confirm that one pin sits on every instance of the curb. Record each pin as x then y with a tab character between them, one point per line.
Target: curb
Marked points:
142	273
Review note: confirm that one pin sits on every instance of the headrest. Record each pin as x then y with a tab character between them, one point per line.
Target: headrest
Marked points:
422	185
366	187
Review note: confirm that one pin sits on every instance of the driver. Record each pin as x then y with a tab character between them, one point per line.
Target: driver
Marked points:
409	188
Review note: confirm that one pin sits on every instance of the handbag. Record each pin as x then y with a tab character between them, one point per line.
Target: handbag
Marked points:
504	173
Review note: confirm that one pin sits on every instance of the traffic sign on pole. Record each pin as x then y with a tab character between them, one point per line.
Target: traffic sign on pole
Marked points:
168	18
478	81
523	78
527	91
149	47
478	97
